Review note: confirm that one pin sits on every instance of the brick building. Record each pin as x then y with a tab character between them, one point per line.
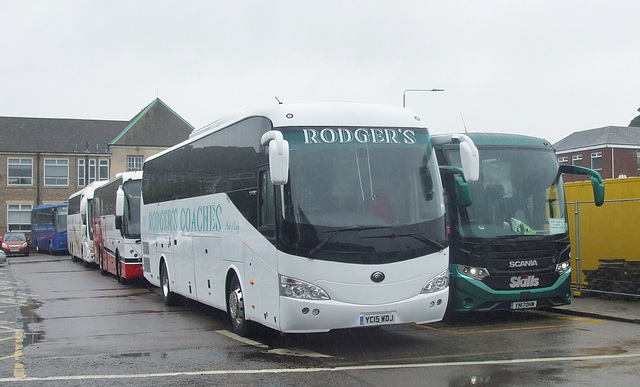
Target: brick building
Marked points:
613	151
45	160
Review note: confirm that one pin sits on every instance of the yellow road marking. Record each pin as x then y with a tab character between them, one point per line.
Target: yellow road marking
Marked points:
18	368
582	321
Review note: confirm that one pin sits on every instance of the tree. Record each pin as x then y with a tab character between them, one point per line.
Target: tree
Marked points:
636	121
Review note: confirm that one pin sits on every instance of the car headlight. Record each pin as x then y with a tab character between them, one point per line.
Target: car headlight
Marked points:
437	283
4	245
295	288
24	244
563	267
478	273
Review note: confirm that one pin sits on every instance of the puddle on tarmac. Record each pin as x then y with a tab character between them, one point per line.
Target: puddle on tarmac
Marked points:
31	320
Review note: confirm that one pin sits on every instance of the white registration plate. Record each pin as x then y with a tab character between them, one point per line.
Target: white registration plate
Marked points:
377	319
524	304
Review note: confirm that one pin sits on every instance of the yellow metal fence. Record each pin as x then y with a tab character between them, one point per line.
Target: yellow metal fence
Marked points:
606	237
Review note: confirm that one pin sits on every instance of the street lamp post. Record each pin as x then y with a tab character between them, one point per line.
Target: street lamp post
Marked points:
404	94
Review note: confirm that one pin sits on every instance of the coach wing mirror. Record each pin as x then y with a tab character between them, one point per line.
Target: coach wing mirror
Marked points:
278	156
596	180
119	207
469	156
462	187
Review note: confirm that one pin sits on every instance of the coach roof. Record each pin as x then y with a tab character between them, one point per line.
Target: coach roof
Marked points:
315	114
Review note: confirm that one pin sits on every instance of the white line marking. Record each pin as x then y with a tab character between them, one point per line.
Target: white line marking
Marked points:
277	351
326	369
241	339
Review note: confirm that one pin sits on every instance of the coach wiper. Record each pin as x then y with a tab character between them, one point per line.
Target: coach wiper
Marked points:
498	238
313	251
416	235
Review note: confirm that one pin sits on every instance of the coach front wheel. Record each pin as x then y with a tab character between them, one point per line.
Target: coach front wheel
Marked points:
235	307
121	279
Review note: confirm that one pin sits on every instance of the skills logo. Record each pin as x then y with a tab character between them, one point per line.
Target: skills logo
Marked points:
528	281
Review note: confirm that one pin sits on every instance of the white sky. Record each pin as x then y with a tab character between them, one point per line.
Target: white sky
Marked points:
545	68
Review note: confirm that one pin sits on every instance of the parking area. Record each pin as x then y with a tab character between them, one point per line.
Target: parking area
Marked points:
61	319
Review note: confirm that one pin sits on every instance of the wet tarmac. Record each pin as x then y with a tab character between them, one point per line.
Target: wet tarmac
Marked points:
193	346
588	304
624	309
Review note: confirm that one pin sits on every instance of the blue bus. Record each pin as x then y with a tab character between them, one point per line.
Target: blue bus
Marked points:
49	228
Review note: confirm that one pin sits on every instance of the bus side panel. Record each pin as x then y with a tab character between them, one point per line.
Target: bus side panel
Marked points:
104	241
261	282
184	272
209	271
74	235
150	260
157	222
157	249
255	260
60	242
96	242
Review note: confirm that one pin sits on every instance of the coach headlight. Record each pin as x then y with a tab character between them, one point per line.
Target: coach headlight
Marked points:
295	288
563	267
437	283
474	272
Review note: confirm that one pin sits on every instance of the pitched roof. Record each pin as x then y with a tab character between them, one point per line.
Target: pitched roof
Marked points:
56	135
600	137
156	125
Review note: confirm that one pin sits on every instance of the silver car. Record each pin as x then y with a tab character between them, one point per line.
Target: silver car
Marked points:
3	258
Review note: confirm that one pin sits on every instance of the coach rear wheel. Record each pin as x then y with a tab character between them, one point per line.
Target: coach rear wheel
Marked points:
102	270
168	297
235	308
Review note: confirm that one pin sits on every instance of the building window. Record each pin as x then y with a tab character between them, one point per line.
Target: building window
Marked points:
81	173
576	160
99	170
596	161
56	172
563	160
19	171
92	171
103	170
19	217
638	159
134	163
